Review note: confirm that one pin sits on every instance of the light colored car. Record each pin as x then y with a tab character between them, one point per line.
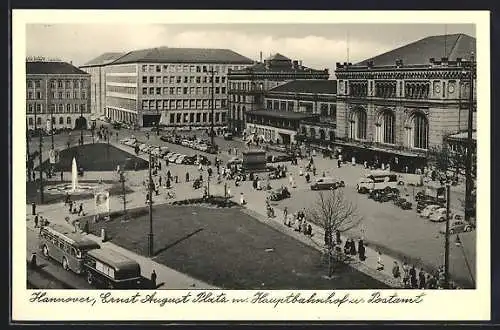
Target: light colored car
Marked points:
203	147
457	226
428	210
142	146
439	215
173	157
180	159
184	142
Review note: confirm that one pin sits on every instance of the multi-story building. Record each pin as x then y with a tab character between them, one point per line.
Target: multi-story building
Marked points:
172	86
97	70
57	95
300	110
247	86
397	106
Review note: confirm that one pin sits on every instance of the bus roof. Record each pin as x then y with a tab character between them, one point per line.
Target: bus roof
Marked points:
114	259
379	173
76	239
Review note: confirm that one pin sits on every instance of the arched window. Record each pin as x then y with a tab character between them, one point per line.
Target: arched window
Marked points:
387	127
68	120
61	108
322	134
312	131
39	121
420	128
358	125
61	120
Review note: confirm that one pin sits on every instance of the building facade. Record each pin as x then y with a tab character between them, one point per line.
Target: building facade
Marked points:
97	70
172	86
57	96
399	105
247	86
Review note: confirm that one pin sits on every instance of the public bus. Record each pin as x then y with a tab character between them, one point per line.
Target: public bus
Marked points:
377	180
65	247
107	268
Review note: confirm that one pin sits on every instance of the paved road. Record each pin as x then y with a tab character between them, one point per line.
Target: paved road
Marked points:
52	267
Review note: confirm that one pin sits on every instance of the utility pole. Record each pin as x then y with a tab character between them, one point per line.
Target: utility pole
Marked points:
469	184
447	241
40	166
124	195
150	202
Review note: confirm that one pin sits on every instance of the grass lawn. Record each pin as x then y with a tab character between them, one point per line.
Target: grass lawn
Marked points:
227	248
32	194
98	157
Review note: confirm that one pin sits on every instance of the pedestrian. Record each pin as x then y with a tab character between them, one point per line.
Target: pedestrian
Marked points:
395	270
406	274
242	199
153	279
34	175
36	221
421	279
187	176
309	230
80	209
380	262
169	175
147	198
159	181
352	248
62	176
413	277
166	162
338	162
70	206
347	246
168	183
285	214
361	250
157	192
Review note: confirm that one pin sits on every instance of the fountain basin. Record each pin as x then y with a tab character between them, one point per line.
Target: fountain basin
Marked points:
80	189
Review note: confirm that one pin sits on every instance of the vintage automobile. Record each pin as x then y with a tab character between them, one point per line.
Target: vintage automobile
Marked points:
457	226
427	211
326	183
279	194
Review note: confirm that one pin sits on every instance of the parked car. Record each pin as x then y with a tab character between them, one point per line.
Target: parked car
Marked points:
189	160
142	146
279	194
173	157
165	138
228	136
427	211
180	159
438	215
457	226
235	160
423	203
325	183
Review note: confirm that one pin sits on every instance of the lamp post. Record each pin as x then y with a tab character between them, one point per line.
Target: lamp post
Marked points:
81	125
150	202
447	241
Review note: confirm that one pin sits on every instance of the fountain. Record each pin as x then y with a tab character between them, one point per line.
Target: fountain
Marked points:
74	188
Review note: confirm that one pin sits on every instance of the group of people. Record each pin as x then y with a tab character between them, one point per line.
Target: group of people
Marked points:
72	206
298	222
413	279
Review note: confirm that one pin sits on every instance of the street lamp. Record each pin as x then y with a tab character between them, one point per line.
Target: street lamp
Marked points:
150	202
447	240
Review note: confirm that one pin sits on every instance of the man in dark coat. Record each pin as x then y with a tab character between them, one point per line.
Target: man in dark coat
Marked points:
413	277
421	279
361	250
352	248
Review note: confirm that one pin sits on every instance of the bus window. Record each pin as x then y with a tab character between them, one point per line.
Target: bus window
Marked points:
72	251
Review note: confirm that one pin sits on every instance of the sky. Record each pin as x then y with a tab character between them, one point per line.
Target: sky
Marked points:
319	46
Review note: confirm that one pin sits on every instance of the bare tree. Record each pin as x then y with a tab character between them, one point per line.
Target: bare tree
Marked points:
333	212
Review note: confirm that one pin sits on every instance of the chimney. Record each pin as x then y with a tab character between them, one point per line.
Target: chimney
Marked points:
260	57
300	63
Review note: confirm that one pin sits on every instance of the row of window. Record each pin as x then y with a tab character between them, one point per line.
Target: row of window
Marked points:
246	86
326	109
176	118
387	89
189	68
241	98
122	79
39	121
122	89
59	83
182	90
182	79
60	108
59	95
181	104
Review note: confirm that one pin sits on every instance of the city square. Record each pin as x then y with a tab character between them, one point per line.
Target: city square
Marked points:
124	168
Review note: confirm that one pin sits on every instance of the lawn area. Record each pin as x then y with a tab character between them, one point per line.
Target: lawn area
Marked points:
98	157
32	194
227	248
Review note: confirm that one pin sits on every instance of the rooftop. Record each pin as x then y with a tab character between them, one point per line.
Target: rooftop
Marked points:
282	114
277	63
462	136
452	46
316	86
52	68
104	59
183	55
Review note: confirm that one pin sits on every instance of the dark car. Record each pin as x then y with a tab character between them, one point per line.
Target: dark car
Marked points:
279	194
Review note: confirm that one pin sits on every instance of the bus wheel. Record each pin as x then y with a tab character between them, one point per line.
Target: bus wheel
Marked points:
90	278
65	264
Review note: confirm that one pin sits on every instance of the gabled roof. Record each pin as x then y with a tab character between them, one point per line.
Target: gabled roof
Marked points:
183	55
52	68
103	59
318	86
452	46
